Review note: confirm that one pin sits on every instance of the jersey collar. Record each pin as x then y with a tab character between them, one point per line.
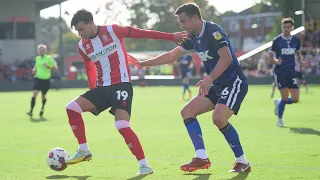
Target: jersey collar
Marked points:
203	28
282	36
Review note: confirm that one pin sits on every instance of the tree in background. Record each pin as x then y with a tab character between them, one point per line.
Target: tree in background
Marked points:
70	42
159	15
50	30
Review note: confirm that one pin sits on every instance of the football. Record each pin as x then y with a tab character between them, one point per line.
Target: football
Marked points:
57	158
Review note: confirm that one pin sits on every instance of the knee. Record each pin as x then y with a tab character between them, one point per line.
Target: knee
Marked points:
74	106
35	94
43	97
219	120
186	112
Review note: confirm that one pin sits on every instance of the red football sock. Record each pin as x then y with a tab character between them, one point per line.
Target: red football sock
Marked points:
130	138
77	126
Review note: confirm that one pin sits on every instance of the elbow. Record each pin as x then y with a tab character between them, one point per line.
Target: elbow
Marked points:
229	61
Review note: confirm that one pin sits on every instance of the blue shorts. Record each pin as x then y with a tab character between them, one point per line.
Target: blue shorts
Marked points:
186	74
231	93
288	80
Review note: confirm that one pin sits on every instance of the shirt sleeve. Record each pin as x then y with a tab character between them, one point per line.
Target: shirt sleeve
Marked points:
90	69
218	39
186	46
131	32
53	62
274	47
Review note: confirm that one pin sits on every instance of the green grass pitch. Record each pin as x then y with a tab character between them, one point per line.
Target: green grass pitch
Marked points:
274	153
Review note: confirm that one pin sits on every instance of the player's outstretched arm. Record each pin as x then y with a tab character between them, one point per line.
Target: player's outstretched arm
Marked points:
164	58
131	32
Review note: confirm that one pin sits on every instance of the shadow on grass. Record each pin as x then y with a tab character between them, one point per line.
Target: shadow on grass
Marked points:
204	176
305	131
41	119
65	177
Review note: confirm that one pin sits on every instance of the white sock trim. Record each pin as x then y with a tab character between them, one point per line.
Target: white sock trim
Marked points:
242	159
74	106
201	153
143	162
120	124
84	147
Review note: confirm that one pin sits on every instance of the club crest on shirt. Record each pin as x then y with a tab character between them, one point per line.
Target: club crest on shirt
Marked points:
104	37
217	35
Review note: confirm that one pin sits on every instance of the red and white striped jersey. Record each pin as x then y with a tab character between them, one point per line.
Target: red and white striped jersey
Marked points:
108	52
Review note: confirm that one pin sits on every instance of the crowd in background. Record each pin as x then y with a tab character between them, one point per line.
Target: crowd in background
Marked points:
19	70
256	66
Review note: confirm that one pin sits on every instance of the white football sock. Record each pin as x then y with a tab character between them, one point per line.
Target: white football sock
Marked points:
242	159
84	147
201	153
143	162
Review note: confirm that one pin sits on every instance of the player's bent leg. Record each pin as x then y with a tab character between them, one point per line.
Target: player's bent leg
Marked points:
194	107
122	124
74	110
295	95
281	104
273	89
44	100
305	83
33	102
220	117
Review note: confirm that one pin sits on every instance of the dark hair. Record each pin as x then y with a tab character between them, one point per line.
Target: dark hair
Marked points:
81	16
190	9
287	20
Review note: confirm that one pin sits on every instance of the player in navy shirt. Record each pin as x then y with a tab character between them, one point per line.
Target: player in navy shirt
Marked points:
185	63
223	89
283	53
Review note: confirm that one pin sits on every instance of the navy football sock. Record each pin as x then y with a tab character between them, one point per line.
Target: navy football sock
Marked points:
195	132
233	140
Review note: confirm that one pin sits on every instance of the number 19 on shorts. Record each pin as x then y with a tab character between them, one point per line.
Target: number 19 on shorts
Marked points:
122	95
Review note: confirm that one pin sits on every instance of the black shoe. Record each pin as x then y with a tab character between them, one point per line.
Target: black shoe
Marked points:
41	113
29	114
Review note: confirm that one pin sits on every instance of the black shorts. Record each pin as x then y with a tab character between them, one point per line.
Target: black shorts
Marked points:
232	94
300	75
118	96
288	80
42	85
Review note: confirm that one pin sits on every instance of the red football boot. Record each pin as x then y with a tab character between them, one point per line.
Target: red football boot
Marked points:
196	164
240	167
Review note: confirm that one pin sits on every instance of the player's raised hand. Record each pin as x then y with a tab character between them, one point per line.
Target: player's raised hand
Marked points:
180	37
204	85
133	61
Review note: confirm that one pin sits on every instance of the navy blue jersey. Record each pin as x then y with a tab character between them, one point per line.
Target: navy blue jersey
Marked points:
286	49
207	44
185	62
